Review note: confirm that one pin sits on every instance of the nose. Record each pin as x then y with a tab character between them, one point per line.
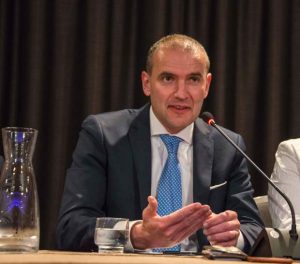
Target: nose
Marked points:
181	90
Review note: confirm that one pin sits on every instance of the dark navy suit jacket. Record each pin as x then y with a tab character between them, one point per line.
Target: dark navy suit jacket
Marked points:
111	176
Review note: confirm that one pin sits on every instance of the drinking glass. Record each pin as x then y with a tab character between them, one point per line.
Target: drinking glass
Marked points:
111	234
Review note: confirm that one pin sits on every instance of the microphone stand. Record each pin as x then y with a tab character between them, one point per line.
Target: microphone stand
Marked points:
271	242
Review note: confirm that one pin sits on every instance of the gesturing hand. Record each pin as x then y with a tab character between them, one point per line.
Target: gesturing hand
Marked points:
156	232
222	229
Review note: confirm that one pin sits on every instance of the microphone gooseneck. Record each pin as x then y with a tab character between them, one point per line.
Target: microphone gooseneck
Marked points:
208	118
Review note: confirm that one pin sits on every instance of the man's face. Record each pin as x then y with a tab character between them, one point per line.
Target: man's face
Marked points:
177	86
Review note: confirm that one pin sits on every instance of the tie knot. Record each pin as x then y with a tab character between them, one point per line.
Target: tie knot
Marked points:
171	142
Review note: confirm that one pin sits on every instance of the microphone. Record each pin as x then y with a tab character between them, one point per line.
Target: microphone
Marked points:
271	242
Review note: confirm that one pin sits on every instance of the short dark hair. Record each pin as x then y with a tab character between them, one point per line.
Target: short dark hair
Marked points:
176	41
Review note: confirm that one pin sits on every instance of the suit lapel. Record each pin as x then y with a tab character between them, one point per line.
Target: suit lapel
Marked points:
139	137
203	147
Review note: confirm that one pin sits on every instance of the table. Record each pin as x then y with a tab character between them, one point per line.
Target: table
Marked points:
55	257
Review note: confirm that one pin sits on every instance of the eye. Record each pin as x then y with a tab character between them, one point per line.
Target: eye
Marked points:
167	78
195	79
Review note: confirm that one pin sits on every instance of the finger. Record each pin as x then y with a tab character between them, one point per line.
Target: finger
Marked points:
171	227
151	209
186	212
190	229
182	229
152	203
220	218
224	226
225	244
195	220
224	237
173	235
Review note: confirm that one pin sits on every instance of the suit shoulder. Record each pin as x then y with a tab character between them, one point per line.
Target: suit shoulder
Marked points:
228	132
220	140
214	134
114	123
121	117
235	137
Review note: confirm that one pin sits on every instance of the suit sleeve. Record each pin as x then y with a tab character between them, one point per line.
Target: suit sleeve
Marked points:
85	190
240	198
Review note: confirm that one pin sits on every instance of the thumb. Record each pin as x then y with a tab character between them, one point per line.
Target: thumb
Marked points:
151	209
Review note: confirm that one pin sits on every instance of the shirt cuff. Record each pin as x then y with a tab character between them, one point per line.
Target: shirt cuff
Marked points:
128	245
241	241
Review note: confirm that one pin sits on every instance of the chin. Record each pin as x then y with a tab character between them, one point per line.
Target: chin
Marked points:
178	127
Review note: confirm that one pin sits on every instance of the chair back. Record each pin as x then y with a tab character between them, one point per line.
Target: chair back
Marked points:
263	208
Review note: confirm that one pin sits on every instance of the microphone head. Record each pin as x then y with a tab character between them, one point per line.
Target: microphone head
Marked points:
208	118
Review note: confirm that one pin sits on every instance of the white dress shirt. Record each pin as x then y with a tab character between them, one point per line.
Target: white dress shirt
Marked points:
184	154
286	175
160	155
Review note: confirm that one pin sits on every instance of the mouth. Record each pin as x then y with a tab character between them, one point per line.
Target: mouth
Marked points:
179	108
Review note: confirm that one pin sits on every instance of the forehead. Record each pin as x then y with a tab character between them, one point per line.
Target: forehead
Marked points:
170	59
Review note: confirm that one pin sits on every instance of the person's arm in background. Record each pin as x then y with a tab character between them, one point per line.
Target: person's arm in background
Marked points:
286	175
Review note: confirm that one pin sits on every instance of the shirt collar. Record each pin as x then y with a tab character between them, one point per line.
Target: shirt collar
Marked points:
156	128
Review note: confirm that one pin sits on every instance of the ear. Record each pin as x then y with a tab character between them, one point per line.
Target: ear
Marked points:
146	83
207	85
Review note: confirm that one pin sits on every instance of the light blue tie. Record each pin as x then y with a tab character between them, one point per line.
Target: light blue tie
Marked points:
169	192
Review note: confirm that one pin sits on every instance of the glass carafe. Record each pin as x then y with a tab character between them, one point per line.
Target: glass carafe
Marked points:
19	208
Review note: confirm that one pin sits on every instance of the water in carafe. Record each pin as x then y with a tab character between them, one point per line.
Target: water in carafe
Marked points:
19	208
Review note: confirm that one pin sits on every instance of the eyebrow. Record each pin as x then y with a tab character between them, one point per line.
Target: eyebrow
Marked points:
166	73
196	74
173	74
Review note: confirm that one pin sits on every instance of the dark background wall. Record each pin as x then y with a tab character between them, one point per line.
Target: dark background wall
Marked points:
62	60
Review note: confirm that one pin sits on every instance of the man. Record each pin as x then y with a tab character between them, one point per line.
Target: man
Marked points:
120	156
